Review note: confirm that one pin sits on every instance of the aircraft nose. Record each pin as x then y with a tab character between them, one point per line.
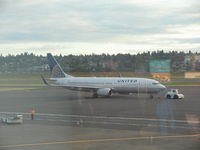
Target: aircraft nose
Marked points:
162	87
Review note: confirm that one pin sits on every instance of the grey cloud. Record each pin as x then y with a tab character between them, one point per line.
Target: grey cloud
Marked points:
188	40
84	21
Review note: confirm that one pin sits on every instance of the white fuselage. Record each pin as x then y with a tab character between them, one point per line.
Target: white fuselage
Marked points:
117	84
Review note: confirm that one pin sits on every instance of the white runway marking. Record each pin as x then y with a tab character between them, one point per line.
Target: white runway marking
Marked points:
107	123
100	117
104	120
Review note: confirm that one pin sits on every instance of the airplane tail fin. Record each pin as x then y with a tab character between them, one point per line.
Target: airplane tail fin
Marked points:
56	70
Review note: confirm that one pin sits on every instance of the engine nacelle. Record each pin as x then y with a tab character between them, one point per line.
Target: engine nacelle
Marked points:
104	92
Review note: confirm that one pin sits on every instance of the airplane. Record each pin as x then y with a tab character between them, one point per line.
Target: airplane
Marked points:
102	86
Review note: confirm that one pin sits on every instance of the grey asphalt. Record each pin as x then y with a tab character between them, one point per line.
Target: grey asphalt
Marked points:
63	115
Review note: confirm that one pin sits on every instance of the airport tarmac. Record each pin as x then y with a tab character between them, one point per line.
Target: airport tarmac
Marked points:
74	120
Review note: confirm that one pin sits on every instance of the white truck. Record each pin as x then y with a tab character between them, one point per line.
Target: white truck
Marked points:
174	94
18	119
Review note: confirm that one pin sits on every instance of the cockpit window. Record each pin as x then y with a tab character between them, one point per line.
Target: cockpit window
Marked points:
155	83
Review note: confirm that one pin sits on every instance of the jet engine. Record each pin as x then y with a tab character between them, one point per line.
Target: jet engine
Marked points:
104	92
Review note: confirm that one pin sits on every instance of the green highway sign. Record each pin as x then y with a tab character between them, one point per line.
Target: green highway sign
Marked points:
160	65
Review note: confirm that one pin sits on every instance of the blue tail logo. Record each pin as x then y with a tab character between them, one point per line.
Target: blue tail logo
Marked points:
55	68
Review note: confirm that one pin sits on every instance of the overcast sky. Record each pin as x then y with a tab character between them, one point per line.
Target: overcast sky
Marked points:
98	26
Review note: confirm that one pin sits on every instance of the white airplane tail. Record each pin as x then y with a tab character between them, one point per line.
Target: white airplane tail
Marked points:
56	70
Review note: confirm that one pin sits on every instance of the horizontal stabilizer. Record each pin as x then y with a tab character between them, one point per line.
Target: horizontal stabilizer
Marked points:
44	80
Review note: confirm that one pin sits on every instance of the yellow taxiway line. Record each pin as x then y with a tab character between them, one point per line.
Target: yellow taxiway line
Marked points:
16	89
100	140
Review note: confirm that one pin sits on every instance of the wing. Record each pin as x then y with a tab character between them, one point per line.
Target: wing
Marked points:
81	88
70	87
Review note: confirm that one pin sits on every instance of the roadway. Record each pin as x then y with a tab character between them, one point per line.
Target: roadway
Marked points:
73	120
